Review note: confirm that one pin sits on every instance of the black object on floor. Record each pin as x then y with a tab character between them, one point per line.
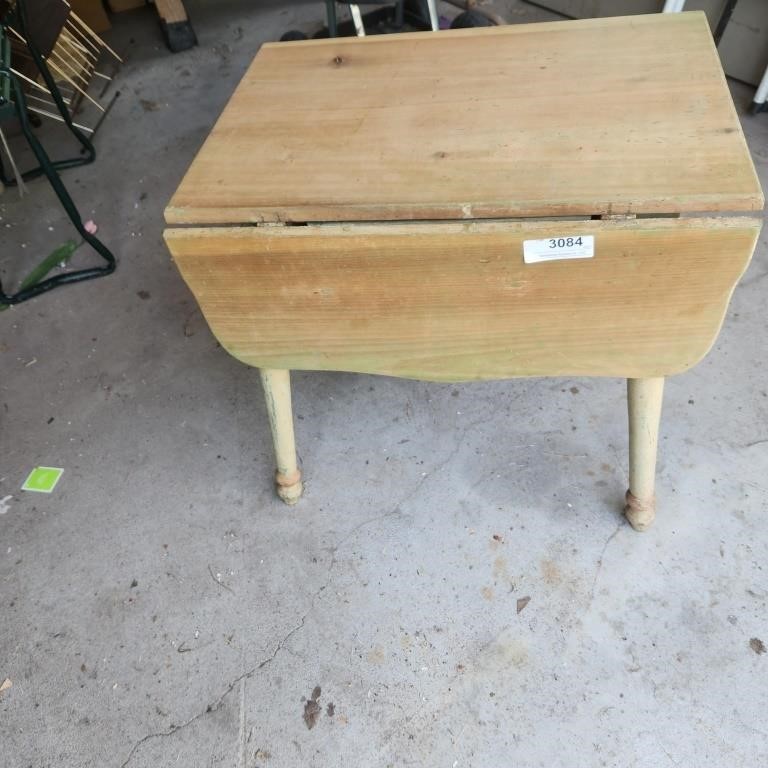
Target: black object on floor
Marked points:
179	35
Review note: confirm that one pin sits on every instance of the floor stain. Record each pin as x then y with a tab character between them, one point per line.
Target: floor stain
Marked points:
500	572
376	655
550	573
312	708
757	645
487	593
506	653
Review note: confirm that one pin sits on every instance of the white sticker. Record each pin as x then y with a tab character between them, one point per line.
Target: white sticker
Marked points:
560	247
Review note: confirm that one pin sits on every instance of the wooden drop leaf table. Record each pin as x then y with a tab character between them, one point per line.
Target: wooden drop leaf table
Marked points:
559	199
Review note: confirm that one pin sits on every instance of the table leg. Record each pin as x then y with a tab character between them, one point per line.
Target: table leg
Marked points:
277	390
644	398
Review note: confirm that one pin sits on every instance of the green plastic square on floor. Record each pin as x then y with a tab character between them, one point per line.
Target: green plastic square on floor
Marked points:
42	479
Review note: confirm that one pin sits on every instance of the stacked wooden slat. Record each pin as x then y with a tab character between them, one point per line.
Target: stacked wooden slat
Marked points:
71	51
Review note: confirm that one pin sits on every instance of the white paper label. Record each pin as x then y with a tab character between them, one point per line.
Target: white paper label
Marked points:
560	247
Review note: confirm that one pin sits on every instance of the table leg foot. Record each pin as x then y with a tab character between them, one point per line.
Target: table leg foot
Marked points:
289	487
640	512
277	391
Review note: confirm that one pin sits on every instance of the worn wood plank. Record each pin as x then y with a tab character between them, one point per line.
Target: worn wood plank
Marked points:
452	301
597	116
171	11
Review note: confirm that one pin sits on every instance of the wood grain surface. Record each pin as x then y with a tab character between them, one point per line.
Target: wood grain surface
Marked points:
171	11
454	301
596	116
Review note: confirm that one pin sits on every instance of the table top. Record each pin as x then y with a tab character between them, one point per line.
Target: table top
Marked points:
599	116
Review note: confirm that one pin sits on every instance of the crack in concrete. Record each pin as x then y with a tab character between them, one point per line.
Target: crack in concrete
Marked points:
396	510
735	715
249	673
280	645
242	735
664	750
220	700
599	568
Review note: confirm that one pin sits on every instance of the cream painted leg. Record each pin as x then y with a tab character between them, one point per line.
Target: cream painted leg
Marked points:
644	398
277	390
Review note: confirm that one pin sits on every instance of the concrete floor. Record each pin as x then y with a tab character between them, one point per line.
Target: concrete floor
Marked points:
161	607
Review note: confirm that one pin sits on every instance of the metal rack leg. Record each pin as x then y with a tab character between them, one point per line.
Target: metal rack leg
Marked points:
330	9
761	96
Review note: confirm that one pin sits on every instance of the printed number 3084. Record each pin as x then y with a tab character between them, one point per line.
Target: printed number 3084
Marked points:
564	242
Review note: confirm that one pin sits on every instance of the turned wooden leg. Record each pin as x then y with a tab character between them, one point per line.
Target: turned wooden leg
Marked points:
644	398
277	390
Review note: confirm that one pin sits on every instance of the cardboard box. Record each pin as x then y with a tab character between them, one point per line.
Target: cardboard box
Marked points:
92	13
590	9
116	6
743	48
